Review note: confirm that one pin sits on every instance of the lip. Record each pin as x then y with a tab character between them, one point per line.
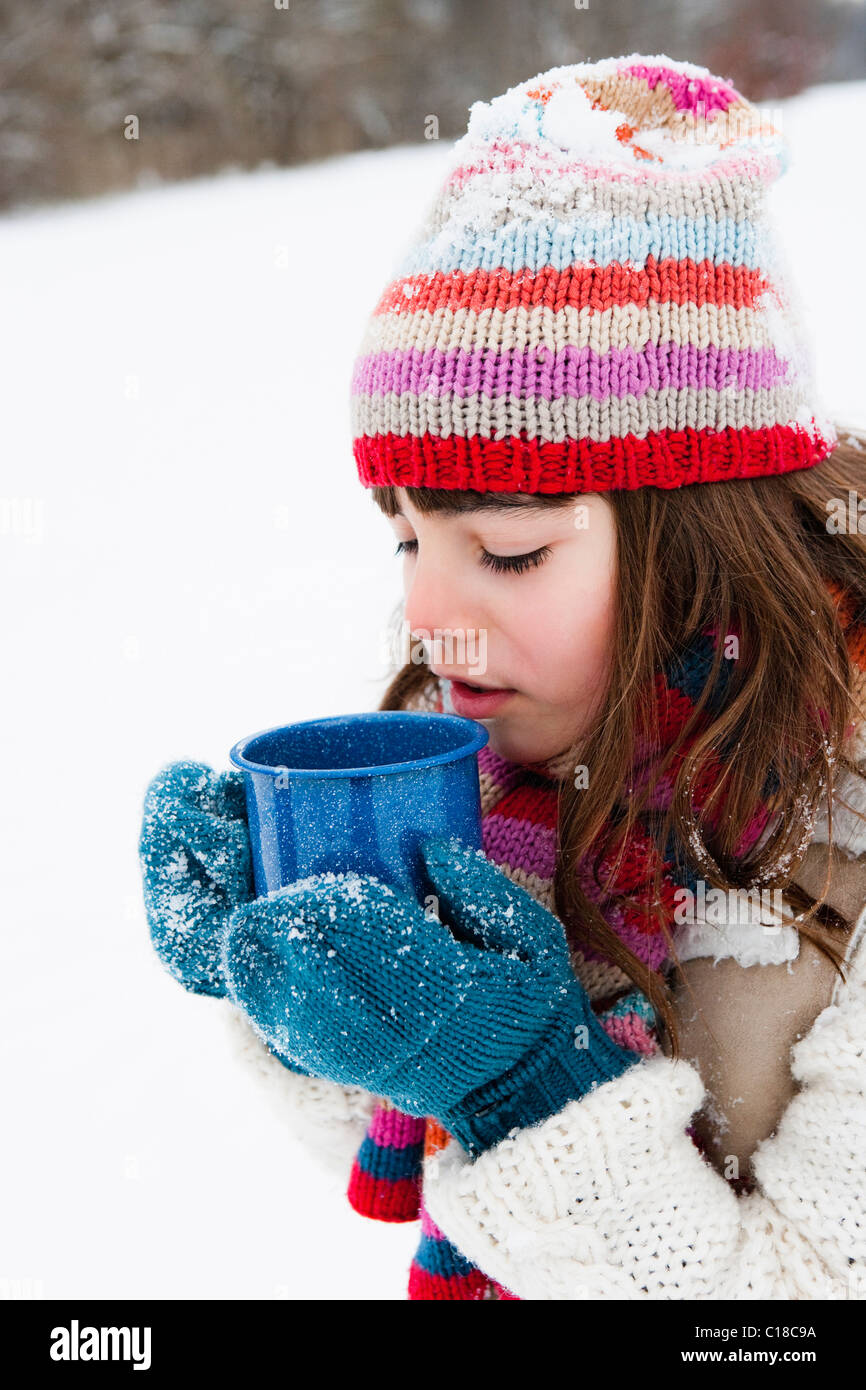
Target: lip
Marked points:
476	704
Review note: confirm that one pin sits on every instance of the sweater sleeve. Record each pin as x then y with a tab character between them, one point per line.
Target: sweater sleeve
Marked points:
329	1120
610	1198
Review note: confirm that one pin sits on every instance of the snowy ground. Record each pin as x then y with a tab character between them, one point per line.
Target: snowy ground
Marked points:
188	557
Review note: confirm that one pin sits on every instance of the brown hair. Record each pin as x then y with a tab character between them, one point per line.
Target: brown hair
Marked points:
749	555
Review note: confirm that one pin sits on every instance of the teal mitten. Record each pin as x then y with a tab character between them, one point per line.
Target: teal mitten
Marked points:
474	1017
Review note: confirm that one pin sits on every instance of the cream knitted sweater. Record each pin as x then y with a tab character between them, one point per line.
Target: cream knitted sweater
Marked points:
610	1198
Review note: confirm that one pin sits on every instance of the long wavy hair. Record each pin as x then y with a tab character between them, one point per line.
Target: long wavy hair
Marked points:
749	555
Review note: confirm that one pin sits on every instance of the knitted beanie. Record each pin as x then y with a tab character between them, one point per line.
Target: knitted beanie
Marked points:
596	299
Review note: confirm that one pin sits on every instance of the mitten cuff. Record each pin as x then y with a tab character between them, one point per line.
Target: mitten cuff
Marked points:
564	1067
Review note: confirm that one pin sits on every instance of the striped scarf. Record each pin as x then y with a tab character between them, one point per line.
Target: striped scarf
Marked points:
519	821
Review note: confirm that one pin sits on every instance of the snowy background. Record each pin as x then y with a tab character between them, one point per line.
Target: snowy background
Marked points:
188	557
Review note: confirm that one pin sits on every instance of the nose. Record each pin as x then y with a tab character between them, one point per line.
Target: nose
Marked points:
436	602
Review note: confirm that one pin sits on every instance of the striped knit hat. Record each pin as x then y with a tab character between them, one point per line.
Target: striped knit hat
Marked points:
596	299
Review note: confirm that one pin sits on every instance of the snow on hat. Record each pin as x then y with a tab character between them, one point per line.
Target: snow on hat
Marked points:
596	300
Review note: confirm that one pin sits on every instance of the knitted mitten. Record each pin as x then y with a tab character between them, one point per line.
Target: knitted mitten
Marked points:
479	1022
194	850
195	858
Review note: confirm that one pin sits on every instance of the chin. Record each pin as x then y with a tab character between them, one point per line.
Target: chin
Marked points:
518	742
509	744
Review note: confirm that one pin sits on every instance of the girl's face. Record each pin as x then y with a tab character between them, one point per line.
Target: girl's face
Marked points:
543	631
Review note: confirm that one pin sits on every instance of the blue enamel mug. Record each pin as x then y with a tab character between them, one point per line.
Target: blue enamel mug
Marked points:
359	792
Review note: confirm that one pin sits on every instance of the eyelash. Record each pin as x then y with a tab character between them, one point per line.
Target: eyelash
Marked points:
500	564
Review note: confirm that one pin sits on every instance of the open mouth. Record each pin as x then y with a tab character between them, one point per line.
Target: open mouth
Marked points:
473	688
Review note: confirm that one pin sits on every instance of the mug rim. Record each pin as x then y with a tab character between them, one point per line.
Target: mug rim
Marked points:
474	743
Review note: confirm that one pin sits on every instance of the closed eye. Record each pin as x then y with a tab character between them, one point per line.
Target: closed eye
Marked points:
500	564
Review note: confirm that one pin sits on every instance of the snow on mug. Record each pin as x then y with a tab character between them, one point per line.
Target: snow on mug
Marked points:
359	792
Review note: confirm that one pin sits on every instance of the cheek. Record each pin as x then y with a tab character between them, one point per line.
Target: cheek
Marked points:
587	645
565	640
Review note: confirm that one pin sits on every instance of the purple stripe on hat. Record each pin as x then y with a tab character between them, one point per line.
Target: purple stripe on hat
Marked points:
519	844
701	95
573	371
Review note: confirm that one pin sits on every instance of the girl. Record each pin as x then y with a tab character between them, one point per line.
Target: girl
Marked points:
625	1055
